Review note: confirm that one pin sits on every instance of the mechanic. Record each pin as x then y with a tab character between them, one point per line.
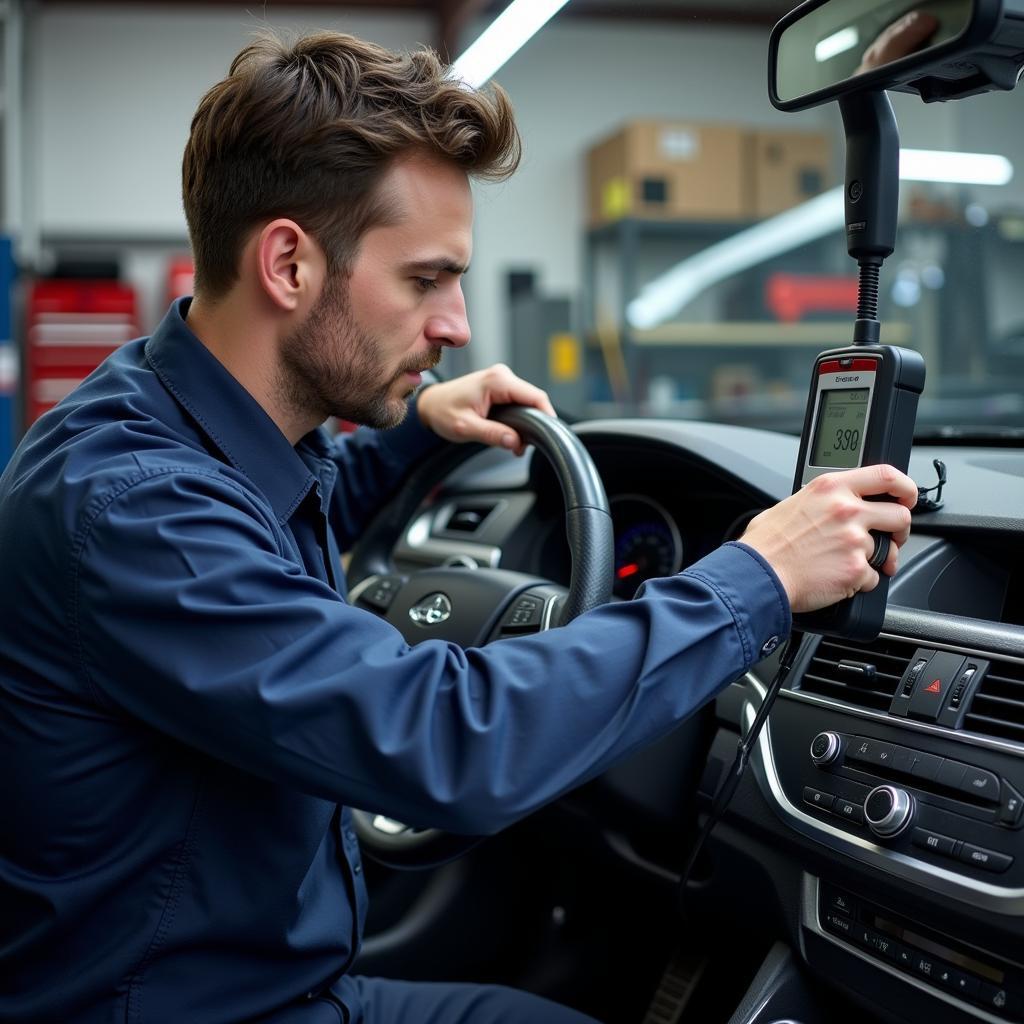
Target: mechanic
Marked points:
188	702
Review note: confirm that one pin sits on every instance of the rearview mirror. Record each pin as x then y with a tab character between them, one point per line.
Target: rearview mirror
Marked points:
938	48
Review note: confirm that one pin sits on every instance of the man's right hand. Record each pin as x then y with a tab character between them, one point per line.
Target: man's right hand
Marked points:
818	540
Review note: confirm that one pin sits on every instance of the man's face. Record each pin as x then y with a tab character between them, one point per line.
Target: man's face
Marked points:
359	353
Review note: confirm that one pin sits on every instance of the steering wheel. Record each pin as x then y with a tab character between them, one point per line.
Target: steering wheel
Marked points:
473	606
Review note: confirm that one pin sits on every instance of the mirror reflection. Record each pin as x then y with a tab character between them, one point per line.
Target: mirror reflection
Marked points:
843	39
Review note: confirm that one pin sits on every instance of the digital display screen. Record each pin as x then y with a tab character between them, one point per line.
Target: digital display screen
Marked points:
839	431
926	945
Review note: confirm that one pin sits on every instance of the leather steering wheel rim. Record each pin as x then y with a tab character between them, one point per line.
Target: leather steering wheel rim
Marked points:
591	543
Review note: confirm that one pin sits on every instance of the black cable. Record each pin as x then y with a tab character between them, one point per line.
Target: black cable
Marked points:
743	749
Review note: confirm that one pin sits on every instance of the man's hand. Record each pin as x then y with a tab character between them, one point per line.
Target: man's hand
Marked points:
817	540
457	410
905	36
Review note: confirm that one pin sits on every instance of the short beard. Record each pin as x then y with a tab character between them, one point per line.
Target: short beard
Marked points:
330	366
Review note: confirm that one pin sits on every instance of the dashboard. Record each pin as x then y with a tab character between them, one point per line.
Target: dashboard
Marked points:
882	824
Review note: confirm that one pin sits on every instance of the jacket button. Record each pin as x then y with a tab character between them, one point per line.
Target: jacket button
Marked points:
768	647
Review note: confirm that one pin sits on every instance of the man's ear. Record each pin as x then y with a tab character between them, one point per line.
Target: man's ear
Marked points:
289	264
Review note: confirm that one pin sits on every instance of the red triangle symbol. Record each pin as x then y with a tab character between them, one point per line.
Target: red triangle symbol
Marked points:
935	686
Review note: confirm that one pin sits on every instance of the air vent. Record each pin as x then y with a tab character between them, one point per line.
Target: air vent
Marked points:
468	517
998	706
863	674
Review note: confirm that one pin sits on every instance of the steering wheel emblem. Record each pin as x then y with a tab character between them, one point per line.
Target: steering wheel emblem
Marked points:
432	610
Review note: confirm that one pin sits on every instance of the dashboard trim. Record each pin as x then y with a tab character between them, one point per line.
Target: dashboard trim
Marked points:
960	736
418	544
968	890
812	924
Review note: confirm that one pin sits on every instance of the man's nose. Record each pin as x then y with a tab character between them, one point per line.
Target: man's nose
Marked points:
449	325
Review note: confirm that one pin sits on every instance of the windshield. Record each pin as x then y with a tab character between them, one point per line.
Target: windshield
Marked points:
690	236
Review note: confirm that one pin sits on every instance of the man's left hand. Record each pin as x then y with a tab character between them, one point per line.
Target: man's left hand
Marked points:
457	409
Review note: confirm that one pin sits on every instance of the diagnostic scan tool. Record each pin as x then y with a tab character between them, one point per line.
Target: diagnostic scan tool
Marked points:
861	411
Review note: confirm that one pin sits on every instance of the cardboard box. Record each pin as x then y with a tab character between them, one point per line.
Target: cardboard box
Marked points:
786	168
668	170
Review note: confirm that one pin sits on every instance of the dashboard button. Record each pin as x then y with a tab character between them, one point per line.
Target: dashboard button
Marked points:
903	760
990	860
980	784
1012	805
839	924
859	749
870	751
998	998
924	965
933	685
881	944
951	774
840	903
818	798
929	840
964	985
849	810
903	955
882	754
926	766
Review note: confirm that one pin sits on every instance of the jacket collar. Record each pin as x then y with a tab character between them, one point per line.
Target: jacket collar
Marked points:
227	414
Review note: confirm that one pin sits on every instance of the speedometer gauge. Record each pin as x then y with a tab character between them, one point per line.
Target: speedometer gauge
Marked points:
647	543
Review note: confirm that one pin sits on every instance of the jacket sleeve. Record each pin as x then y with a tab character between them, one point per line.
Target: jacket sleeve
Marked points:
371	464
186	615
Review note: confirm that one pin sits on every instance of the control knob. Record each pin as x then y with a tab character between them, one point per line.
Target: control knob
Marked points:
888	810
825	748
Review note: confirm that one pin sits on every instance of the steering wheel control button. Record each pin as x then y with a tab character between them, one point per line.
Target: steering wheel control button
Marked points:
524	616
770	646
934	842
381	593
849	810
818	798
990	860
825	748
888	810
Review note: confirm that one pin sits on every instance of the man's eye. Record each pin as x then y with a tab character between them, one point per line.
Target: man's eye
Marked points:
425	283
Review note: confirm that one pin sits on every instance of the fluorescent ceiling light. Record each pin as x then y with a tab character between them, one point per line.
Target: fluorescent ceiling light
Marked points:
503	37
837	43
955	168
663	297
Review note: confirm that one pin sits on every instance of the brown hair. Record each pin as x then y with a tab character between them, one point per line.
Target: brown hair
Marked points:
308	130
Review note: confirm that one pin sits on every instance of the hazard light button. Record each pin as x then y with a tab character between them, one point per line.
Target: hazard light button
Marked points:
934	684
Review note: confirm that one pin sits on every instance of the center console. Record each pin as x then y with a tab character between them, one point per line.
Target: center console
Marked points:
905	759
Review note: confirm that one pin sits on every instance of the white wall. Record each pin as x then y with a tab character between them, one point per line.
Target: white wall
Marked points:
111	93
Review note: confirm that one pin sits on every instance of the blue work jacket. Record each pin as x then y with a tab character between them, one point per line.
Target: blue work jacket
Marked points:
188	703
